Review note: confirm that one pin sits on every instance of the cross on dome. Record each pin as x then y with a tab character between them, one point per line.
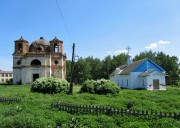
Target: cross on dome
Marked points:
128	49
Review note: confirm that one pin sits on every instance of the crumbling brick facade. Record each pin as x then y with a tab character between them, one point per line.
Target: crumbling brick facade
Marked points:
41	59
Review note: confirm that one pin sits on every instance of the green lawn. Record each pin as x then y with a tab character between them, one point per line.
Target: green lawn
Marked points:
35	109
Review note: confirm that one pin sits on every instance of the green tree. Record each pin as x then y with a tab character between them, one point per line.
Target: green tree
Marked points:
147	54
82	71
106	68
94	68
118	60
95	65
68	70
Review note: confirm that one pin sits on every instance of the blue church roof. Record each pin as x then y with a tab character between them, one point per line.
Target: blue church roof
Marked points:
141	66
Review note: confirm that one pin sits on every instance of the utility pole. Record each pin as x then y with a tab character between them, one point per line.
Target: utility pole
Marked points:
72	70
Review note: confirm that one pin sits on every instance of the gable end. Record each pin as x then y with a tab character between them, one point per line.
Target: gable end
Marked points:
147	65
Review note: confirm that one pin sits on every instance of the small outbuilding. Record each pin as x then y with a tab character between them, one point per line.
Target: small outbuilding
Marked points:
141	74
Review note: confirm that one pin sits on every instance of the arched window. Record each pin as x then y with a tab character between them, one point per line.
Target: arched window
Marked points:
55	48
19	47
35	62
39	49
18	62
56	62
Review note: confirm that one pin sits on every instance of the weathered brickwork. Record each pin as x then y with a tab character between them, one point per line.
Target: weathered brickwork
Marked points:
41	58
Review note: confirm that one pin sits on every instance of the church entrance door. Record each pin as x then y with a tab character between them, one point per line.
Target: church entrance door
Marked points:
35	76
156	84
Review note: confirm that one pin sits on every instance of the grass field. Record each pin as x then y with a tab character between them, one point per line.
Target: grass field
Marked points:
35	109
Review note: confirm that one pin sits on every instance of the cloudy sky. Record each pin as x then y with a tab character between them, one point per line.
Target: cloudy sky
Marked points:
97	27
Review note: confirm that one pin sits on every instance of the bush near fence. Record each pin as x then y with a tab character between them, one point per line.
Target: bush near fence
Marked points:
72	108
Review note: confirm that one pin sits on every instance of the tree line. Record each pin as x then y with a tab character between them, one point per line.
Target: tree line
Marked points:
94	68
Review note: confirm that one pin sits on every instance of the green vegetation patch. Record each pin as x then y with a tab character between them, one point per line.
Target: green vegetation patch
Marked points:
35	110
101	86
50	85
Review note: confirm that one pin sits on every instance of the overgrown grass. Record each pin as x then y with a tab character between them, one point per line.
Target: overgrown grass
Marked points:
35	109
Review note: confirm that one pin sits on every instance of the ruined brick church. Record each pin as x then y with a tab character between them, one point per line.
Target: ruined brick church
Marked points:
41	58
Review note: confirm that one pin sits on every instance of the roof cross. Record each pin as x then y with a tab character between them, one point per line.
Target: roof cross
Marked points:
128	49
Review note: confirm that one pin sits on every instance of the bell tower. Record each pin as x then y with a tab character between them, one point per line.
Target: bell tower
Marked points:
56	46
20	49
58	59
21	46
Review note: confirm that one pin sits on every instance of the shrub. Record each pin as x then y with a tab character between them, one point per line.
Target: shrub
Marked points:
50	85
88	86
101	86
10	81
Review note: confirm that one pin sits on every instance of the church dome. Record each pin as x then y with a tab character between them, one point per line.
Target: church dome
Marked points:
41	41
40	45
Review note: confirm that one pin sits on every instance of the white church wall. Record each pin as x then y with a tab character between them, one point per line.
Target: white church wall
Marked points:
136	81
156	76
17	70
115	78
44	60
123	81
17	76
26	77
43	70
130	81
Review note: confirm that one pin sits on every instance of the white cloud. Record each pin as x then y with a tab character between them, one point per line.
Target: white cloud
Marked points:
120	51
157	44
164	42
152	46
117	52
109	52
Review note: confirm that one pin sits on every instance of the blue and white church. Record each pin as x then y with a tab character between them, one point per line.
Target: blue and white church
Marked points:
141	74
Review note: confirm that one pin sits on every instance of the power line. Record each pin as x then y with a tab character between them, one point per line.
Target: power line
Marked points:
60	12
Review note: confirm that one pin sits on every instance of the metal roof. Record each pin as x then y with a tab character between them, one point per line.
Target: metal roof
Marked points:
146	73
6	72
21	39
128	68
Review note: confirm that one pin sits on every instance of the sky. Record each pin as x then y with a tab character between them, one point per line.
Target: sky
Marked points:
97	27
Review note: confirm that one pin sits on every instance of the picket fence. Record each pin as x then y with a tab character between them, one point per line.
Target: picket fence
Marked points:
72	108
9	100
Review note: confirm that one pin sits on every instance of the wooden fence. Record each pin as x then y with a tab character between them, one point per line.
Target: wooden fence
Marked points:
9	100
111	111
